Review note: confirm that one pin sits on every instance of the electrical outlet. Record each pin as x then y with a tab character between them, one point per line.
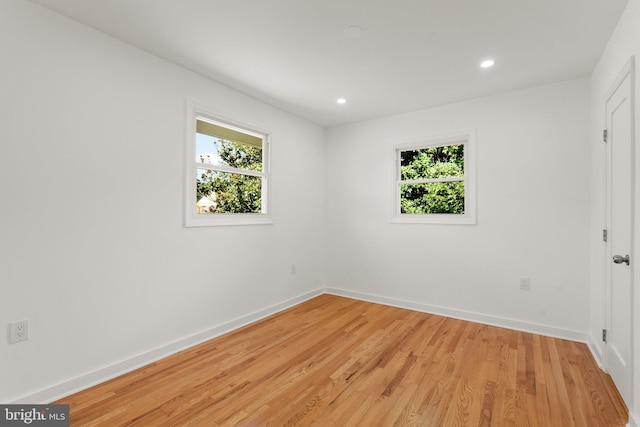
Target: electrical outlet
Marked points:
525	283
18	331
293	269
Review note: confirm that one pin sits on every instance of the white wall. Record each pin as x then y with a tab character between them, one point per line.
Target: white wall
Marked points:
624	43
93	251
533	213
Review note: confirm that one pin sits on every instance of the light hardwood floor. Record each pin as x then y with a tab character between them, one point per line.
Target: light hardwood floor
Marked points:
334	361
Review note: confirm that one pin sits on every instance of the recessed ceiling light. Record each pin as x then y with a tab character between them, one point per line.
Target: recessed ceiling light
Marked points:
352	32
487	63
341	101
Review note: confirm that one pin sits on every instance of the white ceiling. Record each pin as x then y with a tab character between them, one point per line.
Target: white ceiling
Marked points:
411	54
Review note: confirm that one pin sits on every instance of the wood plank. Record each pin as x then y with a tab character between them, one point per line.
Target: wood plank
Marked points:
337	361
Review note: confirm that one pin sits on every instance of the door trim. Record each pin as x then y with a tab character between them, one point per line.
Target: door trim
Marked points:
628	70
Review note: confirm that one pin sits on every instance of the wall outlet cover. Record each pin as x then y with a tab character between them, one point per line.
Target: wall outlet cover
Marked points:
18	331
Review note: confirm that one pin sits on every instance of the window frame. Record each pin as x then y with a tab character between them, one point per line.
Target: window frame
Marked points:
466	138
194	113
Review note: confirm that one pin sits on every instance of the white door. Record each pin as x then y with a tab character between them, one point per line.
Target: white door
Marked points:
620	260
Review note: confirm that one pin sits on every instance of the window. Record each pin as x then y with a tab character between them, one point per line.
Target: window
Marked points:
228	172
434	181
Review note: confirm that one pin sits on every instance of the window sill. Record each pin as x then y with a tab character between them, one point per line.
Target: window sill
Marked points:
433	219
223	220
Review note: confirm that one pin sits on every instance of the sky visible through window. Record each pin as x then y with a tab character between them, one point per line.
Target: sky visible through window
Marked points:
205	146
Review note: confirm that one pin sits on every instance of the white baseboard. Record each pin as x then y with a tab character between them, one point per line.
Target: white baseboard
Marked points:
98	376
502	322
596	351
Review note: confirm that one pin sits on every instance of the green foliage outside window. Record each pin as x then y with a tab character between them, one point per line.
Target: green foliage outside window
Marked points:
233	192
432	197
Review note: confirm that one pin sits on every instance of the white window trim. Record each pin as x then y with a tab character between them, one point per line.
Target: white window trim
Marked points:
191	218
468	138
